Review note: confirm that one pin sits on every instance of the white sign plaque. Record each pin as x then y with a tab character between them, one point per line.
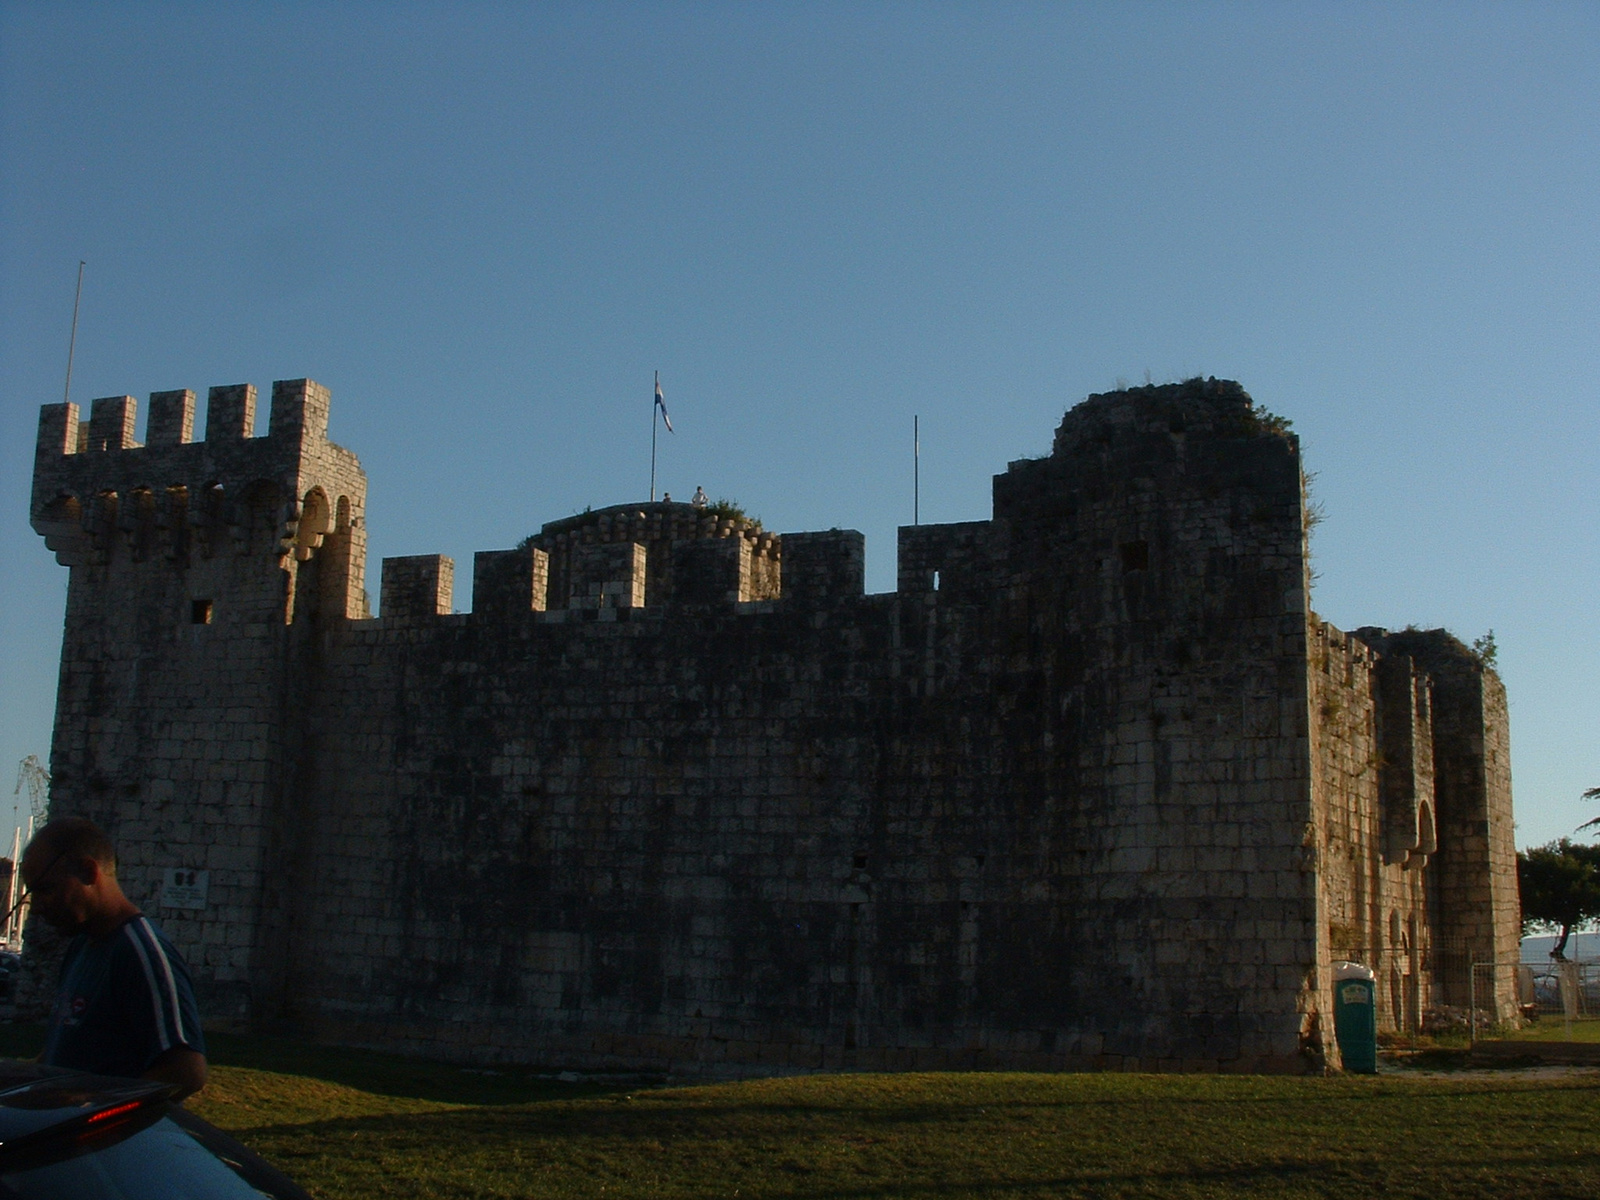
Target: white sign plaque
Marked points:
184	888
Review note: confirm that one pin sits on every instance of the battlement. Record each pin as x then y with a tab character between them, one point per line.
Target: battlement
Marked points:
415	587
957	558
614	562
93	479
633	556
299	412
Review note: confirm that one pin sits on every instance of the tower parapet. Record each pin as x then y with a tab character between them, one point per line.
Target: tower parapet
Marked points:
281	494
578	574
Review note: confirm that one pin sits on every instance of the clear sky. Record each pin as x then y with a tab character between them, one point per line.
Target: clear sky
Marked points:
484	227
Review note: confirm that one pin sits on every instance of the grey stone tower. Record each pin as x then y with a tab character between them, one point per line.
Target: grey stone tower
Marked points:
200	574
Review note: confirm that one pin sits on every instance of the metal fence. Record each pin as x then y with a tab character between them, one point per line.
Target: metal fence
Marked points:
1556	999
1428	989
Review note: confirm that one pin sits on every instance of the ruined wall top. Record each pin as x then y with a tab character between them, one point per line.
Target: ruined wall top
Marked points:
1196	407
1437	651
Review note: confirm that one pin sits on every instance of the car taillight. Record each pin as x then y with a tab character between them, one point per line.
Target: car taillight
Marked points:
97	1123
108	1113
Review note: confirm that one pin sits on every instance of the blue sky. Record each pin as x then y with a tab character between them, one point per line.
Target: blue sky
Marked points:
485	226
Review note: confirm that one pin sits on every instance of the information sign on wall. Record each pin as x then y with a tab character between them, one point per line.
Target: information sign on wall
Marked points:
184	888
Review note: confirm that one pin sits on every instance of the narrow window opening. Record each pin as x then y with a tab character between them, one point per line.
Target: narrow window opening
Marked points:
861	862
936	581
200	612
1135	556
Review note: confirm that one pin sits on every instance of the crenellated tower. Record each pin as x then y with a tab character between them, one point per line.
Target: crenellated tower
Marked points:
200	571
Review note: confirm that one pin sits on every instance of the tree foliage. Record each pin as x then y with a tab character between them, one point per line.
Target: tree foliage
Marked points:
733	511
1560	885
1485	650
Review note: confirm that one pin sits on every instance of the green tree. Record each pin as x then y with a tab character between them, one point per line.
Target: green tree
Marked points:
1560	885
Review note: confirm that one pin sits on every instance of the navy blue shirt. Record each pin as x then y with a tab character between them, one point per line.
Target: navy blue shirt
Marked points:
123	1002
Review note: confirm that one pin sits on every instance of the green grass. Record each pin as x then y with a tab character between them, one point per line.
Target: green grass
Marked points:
937	1136
1554	1029
349	1124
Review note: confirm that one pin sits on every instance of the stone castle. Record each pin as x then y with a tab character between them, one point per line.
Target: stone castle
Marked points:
1093	788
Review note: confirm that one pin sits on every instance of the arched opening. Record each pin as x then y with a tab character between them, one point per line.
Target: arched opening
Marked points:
1397	970
1413	975
322	549
1427	833
316	521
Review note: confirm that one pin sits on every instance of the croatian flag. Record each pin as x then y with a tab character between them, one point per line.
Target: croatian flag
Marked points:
662	405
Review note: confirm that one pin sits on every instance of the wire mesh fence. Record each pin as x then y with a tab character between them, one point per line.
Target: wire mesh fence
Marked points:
1556	1000
1427	990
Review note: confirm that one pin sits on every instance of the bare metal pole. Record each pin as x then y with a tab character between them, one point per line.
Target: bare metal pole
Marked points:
653	439
11	886
72	343
916	469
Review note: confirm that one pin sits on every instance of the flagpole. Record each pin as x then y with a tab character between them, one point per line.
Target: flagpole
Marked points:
72	342
916	469
653	439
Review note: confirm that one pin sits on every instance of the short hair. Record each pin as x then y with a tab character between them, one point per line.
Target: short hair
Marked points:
74	837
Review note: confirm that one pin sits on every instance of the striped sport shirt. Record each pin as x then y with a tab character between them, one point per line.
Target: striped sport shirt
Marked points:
123	1002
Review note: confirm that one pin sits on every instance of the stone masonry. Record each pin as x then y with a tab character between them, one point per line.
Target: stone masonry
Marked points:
1093	788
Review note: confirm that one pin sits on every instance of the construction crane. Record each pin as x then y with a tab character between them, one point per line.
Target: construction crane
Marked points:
31	771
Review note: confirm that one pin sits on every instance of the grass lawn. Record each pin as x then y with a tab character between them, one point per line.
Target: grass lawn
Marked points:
1553	1029
349	1124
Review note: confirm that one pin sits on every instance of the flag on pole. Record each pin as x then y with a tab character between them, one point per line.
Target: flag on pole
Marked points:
662	405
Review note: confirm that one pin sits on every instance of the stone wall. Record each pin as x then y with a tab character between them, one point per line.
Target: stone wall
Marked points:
1376	830
1092	789
1474	869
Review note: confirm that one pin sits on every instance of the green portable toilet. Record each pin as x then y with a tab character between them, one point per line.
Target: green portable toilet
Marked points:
1355	1016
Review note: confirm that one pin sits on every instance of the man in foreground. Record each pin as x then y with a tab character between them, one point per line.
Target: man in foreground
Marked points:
125	1005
